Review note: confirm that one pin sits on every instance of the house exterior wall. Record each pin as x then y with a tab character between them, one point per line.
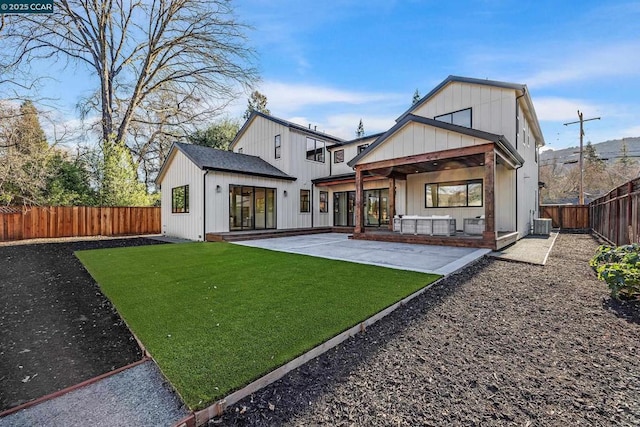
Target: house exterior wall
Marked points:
350	151
493	109
505	198
181	171
527	175
415	193
417	138
259	140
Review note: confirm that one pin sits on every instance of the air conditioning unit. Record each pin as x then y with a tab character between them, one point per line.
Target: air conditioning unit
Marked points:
542	226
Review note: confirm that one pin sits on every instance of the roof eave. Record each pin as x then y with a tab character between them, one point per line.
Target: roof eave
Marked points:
262	175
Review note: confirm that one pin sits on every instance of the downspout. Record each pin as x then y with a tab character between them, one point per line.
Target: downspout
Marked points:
312	207
517	135
204	205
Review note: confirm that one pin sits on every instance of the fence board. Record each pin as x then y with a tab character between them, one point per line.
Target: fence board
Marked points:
615	215
17	223
568	217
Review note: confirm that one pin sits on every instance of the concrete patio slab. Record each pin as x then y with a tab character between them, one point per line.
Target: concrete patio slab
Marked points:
441	260
530	250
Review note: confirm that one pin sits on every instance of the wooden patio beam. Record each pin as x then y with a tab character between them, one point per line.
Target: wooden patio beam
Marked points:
392	202
489	195
359	211
427	157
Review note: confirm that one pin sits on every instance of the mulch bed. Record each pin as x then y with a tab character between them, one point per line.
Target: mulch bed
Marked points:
499	344
57	329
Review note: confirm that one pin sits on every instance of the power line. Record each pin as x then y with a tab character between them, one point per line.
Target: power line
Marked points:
580	162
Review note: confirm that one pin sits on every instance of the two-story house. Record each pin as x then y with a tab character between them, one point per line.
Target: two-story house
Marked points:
468	149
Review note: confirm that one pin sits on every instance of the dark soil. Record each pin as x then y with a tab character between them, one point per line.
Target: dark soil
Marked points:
57	329
499	344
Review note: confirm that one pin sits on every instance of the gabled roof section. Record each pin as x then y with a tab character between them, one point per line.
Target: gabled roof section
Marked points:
282	122
207	158
357	140
500	140
519	87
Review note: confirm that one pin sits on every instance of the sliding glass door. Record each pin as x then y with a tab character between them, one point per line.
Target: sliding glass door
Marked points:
376	207
251	208
344	204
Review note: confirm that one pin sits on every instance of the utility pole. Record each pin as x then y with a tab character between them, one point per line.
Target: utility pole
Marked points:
581	121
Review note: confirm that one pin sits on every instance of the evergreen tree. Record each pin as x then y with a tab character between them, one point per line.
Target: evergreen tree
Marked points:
69	183
24	154
118	181
218	135
360	130
257	102
592	158
416	97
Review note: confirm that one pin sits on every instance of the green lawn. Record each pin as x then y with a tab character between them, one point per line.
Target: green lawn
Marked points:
216	316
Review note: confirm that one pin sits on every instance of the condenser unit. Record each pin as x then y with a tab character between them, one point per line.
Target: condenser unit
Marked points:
542	226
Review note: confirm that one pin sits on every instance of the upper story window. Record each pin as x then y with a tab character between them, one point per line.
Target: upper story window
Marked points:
277	146
460	118
180	199
362	147
315	150
338	156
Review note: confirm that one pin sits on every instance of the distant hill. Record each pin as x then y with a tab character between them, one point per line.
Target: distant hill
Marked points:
609	151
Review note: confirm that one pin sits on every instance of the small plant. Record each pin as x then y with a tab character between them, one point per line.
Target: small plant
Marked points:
620	268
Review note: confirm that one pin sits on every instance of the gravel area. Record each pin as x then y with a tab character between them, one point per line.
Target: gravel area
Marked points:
57	329
137	396
501	343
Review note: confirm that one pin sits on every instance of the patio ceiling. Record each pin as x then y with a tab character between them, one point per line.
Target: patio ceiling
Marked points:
401	171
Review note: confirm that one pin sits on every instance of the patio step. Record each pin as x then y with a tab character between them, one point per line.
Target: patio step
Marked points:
236	236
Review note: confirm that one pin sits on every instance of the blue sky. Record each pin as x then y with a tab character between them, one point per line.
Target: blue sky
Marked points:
332	63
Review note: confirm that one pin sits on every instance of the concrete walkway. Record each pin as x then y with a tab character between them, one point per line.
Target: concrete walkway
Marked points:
441	260
530	250
134	397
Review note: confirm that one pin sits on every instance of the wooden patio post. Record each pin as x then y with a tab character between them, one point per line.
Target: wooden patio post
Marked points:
392	202
489	196
359	202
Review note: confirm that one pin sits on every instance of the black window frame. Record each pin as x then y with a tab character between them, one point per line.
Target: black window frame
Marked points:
277	146
442	116
466	183
175	209
323	205
317	154
335	156
305	201
362	147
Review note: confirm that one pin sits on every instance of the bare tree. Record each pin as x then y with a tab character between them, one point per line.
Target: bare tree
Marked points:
190	53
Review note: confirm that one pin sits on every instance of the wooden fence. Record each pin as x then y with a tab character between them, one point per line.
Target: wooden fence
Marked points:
18	223
568	217
615	216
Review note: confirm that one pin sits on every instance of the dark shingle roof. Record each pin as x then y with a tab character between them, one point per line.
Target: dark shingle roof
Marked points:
207	158
498	139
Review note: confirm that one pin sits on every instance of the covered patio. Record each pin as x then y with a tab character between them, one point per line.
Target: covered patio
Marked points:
490	167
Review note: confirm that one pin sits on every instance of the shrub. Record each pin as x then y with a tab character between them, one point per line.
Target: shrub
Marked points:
620	268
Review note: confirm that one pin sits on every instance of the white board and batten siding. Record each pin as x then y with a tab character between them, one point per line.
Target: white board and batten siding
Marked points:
350	151
527	175
493	109
259	140
417	138
182	171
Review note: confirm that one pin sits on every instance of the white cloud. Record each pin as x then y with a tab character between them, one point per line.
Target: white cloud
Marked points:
586	63
288	98
344	125
557	109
